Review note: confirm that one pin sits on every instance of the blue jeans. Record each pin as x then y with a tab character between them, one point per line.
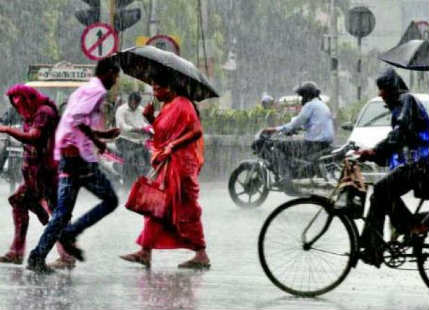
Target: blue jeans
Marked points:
80	174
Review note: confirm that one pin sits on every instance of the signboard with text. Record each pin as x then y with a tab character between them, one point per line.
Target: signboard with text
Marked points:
60	72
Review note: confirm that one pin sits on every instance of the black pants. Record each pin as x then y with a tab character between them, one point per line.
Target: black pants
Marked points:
136	160
386	200
302	149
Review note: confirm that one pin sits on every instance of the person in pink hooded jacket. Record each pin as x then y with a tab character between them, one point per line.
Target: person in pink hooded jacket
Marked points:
39	169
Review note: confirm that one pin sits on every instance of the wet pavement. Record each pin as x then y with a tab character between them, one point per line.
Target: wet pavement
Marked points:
236	280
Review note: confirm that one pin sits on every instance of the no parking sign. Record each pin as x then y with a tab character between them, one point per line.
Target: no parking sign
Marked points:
99	41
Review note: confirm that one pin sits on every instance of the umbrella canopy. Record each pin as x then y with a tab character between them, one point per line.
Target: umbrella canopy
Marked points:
412	55
149	64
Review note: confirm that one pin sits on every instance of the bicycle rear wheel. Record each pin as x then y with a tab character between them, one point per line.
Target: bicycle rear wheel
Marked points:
291	262
421	251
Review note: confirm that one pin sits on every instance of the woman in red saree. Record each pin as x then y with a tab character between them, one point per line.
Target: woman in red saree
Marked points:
178	139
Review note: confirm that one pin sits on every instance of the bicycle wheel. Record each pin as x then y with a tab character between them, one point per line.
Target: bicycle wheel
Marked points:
291	262
421	251
247	185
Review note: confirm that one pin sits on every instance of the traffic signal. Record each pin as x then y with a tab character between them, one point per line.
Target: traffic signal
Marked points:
125	18
89	16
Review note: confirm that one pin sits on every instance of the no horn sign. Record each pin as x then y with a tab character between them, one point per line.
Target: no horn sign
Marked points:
98	41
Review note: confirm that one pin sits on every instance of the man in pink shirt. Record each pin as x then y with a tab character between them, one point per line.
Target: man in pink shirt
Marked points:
75	140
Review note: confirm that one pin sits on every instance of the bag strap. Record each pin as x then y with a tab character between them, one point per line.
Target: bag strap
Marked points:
155	172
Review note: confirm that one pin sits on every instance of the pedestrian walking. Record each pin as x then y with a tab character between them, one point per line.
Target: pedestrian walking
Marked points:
177	144
39	169
132	141
74	149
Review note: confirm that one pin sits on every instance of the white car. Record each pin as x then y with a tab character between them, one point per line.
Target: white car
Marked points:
374	123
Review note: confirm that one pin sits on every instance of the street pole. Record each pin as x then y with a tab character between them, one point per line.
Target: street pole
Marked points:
334	58
153	19
203	13
359	70
112	7
115	88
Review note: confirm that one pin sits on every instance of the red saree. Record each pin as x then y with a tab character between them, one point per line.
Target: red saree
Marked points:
183	228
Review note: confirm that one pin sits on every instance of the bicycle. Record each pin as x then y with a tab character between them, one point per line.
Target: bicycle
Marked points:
308	246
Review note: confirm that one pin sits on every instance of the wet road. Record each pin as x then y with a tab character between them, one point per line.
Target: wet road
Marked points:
236	280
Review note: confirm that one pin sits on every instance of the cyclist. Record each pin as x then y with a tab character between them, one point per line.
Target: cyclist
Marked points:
406	151
316	118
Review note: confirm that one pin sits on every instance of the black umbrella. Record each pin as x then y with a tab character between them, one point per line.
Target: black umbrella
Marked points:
412	55
149	64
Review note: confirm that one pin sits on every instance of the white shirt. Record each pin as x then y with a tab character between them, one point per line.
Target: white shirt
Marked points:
316	118
128	120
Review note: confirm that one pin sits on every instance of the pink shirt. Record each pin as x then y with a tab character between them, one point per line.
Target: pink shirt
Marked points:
83	107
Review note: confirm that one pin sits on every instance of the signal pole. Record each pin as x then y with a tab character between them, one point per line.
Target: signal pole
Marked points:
153	18
334	57
112	7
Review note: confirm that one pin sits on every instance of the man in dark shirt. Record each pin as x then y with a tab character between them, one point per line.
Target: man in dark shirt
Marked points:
406	151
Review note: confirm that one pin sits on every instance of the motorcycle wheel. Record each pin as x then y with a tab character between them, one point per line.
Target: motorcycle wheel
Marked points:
248	191
14	173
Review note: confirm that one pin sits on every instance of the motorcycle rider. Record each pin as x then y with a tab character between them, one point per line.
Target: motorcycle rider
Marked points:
406	151
317	121
131	142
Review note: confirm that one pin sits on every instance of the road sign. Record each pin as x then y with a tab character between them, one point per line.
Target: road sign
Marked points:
165	43
99	41
360	22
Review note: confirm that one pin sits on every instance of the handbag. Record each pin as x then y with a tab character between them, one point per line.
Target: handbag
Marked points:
147	196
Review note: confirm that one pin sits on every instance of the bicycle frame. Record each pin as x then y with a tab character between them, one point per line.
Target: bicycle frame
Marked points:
395	248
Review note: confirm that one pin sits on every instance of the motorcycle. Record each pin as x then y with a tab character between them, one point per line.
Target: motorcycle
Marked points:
123	168
11	161
251	182
111	164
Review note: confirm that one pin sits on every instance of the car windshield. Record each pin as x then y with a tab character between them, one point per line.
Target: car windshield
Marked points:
377	114
59	95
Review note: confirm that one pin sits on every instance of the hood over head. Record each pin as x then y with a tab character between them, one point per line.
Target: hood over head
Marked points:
391	81
33	99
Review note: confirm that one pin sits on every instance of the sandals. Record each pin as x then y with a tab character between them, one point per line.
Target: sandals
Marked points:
137	258
62	264
194	264
11	259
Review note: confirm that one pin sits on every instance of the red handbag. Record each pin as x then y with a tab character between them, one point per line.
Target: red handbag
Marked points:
148	197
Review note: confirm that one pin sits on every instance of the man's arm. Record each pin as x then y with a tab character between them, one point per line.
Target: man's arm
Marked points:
107	134
397	138
298	122
92	136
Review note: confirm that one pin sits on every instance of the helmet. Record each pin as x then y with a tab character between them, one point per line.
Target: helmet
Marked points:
308	90
267	100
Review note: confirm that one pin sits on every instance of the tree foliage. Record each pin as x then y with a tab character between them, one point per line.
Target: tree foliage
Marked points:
277	43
